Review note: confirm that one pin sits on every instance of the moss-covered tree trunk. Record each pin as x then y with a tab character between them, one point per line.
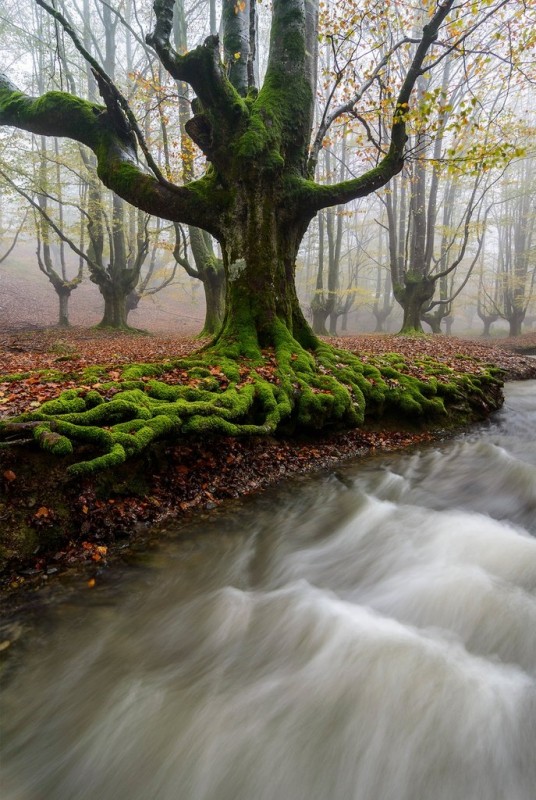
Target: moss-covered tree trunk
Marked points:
260	246
214	286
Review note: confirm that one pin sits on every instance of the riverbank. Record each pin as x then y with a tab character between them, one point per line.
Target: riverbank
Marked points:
66	525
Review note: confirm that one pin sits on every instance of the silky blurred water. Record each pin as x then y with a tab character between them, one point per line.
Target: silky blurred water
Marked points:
366	635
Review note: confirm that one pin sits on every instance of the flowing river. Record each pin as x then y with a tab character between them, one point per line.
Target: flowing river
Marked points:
368	634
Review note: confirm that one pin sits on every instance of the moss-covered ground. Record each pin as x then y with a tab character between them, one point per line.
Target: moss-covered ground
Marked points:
106	416
336	406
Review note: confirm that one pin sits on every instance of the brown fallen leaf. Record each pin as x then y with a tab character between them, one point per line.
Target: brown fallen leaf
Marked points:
42	511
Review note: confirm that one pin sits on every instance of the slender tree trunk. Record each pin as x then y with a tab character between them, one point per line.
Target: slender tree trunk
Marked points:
319	304
488	322
214	286
333	324
63	298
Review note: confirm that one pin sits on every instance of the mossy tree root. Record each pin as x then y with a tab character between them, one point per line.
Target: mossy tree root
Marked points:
282	388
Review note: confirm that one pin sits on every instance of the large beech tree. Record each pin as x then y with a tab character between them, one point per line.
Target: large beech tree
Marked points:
257	198
258	195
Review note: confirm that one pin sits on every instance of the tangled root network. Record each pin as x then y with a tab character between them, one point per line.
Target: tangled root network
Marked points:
284	389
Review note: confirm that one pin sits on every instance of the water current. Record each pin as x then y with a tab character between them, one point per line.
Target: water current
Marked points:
369	634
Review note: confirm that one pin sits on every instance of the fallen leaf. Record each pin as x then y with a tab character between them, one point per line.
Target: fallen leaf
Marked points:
9	475
91	583
42	511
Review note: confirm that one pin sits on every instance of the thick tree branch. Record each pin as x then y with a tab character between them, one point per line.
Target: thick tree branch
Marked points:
289	80
15	239
236	43
328	118
64	115
200	67
117	105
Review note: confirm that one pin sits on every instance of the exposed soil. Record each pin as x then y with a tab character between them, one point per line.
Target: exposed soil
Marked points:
107	517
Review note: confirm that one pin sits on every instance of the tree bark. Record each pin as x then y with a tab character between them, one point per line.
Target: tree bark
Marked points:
63	298
516	322
115	308
320	316
412	296
487	321
214	286
260	245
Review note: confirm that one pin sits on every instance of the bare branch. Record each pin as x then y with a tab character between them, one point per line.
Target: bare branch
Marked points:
317	197
349	107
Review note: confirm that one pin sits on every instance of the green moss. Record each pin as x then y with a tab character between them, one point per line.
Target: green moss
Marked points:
93	398
115	456
13	377
93	374
253	143
282	388
125	176
51	375
51	441
67	403
136	371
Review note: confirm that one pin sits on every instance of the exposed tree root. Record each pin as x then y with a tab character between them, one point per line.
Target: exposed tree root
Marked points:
283	388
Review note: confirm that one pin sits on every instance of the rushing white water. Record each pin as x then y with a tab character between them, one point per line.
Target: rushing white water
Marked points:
369	635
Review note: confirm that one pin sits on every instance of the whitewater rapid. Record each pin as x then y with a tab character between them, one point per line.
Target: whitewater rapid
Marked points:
366	635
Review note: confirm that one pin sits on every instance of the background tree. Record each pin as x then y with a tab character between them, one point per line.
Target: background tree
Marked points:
435	212
383	295
516	257
487	294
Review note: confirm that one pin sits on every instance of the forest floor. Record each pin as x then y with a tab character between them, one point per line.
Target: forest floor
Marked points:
199	475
